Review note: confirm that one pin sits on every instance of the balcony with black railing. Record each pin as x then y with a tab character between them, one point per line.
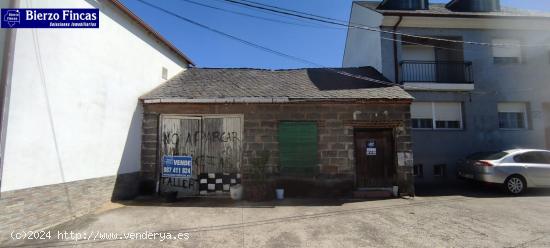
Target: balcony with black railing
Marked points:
444	72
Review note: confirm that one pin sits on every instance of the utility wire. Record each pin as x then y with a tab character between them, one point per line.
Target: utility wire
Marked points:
331	27
293	57
314	25
273	51
290	56
308	16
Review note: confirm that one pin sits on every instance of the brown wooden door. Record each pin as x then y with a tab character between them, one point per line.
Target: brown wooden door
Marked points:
375	158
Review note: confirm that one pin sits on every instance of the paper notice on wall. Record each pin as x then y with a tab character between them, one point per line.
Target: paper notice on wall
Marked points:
401	158
409	159
371	148
404	159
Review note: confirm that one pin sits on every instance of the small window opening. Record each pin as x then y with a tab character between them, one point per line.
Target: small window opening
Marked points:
164	73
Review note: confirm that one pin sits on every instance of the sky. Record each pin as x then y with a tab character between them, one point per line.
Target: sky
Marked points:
307	40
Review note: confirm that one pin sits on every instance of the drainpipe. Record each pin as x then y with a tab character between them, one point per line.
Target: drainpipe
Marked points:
395	63
5	86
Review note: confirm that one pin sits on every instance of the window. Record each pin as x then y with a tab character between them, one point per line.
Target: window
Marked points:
440	170
532	158
418	170
545	157
493	156
422	115
512	115
418	53
164	73
509	53
436	115
298	147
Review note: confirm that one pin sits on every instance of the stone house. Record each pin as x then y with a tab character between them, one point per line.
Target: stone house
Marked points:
326	131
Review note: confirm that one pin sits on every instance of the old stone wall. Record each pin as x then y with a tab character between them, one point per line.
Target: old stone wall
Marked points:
336	124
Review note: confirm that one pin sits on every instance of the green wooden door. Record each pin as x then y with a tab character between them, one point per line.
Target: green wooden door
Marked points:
298	147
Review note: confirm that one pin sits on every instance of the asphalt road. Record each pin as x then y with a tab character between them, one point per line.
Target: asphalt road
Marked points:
467	216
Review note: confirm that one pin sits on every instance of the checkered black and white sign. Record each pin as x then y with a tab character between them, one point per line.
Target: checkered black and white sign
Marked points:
217	182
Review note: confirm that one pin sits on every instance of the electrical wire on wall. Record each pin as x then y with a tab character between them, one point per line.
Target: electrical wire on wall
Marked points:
42	76
301	60
281	54
333	21
312	25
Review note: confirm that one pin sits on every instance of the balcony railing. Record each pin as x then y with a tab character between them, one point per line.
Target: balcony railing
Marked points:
453	72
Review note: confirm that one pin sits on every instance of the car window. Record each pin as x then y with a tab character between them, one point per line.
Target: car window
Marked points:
479	155
545	157
493	156
531	158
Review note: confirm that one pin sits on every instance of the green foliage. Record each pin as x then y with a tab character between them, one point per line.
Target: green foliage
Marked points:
259	166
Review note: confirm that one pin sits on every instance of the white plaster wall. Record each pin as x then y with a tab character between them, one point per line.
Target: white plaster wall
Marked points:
93	79
3	32
363	47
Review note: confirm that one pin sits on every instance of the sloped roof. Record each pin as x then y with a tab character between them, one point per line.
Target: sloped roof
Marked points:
436	9
232	85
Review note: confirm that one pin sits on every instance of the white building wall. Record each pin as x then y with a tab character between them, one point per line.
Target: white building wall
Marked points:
3	33
92	79
363	47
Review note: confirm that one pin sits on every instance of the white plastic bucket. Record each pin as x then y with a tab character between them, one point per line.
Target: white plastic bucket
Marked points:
280	194
236	192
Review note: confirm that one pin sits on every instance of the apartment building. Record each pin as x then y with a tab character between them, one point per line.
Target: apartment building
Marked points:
479	73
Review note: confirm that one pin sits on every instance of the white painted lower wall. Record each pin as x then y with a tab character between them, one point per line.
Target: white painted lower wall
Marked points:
89	91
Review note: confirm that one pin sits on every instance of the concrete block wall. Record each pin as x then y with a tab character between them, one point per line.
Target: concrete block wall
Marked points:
336	123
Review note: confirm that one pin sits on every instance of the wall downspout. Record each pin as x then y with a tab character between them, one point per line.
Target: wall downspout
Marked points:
5	86
395	62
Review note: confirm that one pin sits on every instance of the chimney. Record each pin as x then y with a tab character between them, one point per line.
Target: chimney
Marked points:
404	4
474	5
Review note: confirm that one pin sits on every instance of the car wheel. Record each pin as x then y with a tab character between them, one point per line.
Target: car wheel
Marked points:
515	185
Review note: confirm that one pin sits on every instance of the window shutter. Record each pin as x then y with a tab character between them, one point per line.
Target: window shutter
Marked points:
298	147
511	108
421	110
448	111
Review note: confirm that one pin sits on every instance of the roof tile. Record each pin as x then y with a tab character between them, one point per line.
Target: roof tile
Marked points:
313	83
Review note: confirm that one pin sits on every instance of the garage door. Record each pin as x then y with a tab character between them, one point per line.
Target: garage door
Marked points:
200	155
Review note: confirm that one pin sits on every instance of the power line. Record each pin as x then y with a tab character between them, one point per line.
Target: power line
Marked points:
251	16
278	14
291	23
271	50
333	21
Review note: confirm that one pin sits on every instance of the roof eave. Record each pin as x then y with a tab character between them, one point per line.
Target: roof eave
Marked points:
149	29
384	13
264	100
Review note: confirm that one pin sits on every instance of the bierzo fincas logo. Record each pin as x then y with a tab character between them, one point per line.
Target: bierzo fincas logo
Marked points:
50	18
11	17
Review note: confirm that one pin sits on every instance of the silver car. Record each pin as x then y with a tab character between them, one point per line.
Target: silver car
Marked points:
516	169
